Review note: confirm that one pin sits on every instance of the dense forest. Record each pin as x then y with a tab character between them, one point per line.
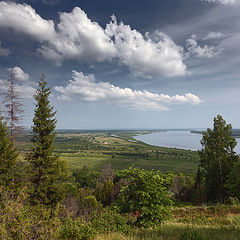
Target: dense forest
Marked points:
40	198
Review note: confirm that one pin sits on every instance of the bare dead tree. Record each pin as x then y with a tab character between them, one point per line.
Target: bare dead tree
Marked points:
13	106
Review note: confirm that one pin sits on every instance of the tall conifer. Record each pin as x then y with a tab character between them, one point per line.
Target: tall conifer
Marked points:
48	170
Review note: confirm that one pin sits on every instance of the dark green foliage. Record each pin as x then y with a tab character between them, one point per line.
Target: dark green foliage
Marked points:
48	171
233	181
104	192
190	235
217	158
8	157
145	195
85	177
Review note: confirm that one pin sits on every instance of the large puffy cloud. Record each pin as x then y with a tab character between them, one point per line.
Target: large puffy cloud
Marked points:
22	84
23	18
80	38
89	89
77	37
144	56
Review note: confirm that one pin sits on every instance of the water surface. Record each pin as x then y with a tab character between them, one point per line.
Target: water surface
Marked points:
176	139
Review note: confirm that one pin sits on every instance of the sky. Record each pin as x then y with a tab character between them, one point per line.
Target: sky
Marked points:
125	64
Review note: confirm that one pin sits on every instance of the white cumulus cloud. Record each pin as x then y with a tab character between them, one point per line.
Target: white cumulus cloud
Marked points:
79	38
23	18
89	89
144	56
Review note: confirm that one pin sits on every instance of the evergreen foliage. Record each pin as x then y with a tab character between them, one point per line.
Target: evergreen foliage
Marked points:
48	171
217	158
8	157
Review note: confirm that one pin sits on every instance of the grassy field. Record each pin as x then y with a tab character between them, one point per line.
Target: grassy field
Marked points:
121	150
219	222
174	232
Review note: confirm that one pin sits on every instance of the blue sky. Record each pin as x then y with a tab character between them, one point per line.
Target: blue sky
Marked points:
126	64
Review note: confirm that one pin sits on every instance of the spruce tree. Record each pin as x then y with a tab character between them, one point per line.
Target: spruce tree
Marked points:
48	171
8	157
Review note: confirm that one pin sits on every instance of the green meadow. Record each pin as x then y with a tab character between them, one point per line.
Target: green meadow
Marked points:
121	150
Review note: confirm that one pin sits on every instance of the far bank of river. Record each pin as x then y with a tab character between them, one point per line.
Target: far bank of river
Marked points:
176	139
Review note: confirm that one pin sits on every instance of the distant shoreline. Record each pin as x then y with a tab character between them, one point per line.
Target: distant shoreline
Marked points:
235	133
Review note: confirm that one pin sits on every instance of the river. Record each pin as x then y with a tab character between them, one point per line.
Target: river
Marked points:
176	139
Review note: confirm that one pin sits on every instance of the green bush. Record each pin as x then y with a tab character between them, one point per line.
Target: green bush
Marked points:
110	220
77	229
145	195
18	220
190	235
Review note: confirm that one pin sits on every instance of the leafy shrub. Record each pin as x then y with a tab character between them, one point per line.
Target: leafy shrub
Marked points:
14	223
18	220
110	220
190	235
77	229
145	195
